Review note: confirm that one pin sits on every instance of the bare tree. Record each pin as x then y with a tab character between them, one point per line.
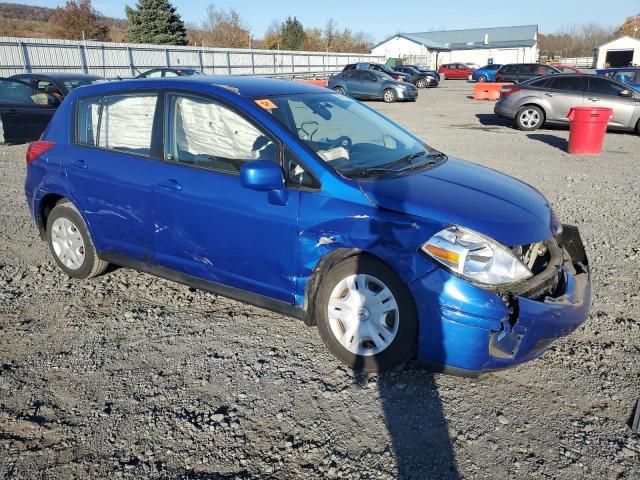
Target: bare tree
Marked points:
224	28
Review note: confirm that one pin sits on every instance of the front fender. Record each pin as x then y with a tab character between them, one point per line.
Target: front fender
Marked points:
332	229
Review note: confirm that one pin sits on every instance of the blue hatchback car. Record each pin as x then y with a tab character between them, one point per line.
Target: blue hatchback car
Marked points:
486	73
299	200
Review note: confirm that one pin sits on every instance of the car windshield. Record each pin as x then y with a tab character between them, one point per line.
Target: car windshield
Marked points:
352	138
72	83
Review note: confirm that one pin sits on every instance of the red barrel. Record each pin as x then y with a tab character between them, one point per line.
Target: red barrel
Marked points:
588	126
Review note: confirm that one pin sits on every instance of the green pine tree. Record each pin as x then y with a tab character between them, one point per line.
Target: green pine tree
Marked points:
155	21
291	34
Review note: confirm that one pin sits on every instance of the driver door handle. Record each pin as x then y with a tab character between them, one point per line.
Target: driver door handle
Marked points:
593	99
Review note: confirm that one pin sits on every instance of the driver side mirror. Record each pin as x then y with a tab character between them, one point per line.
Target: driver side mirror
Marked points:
625	93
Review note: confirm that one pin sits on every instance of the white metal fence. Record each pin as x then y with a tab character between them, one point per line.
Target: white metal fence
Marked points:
19	55
579	62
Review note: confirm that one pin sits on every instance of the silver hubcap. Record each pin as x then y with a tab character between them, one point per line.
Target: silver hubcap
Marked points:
363	314
529	118
67	243
340	91
388	96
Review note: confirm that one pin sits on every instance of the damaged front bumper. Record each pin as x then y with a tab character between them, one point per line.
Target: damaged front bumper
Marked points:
470	331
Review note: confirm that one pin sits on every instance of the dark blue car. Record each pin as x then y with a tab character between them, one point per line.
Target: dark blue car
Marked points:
295	199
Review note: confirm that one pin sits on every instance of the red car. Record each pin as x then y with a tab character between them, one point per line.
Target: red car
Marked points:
567	69
456	70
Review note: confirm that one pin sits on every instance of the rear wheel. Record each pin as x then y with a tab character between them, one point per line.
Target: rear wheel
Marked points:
529	118
366	315
389	95
71	244
482	78
422	83
340	90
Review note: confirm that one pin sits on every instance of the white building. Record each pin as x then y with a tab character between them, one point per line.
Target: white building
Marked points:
516	44
621	52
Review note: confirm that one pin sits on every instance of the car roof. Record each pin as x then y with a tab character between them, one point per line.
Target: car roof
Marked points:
58	75
619	69
244	86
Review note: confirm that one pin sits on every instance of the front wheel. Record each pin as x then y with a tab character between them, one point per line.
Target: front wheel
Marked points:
529	118
482	78
340	91
389	95
366	315
422	83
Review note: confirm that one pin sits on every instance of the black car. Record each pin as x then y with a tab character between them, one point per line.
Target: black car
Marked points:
59	84
377	67
29	100
25	111
169	72
428	71
418	78
519	72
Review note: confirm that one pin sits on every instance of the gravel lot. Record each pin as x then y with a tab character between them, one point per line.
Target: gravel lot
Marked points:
129	376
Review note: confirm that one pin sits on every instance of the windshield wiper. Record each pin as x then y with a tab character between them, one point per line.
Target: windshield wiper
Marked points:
433	159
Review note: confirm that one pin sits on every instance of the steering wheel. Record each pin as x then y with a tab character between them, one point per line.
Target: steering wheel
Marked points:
312	123
343	141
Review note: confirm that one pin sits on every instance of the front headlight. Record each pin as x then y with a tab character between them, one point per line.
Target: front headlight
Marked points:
475	257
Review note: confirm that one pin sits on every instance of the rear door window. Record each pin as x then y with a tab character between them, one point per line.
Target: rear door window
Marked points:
126	123
571	84
603	86
204	133
14	91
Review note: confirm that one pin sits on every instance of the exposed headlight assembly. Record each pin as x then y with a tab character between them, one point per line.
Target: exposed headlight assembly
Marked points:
476	257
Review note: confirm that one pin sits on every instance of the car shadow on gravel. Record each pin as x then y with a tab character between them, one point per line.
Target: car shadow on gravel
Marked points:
551	140
490	119
413	412
416	423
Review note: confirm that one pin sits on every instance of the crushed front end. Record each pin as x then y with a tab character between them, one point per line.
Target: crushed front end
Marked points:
470	330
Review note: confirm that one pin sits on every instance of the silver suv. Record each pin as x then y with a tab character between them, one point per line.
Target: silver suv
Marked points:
549	99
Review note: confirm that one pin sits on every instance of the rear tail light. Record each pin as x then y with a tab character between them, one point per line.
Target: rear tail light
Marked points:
506	91
37	148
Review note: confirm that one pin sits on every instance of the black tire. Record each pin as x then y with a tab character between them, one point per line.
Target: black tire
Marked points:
91	264
340	91
529	118
482	78
421	83
389	95
638	127
402	347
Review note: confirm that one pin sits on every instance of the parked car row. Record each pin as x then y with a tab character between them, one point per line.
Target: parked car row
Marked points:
377	81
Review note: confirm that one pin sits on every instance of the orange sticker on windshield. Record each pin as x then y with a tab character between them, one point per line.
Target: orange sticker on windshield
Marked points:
266	104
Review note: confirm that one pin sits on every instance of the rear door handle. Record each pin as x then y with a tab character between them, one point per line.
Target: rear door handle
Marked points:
593	99
549	94
79	164
171	184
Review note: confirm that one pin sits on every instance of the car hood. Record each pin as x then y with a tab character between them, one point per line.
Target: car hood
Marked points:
465	194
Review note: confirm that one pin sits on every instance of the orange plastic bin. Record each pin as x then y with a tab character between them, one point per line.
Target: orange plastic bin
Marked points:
588	126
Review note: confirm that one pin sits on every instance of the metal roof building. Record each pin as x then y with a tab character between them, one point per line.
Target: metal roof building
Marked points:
478	45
